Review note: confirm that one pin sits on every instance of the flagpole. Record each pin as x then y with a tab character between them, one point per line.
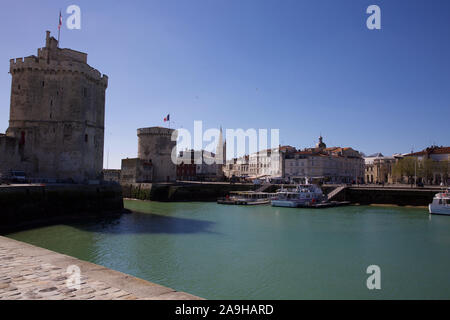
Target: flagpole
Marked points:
59	27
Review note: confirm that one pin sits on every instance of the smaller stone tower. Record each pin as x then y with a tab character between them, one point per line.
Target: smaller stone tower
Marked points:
155	146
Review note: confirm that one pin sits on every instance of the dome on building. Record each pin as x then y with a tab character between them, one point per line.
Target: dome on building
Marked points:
321	144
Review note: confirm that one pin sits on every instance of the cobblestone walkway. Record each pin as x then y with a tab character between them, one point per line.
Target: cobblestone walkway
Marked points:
28	272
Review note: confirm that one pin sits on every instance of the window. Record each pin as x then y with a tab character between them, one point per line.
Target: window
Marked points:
85	92
43	83
18	87
86	137
22	138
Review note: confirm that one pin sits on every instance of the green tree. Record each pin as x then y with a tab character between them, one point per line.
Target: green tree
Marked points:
427	170
405	167
444	170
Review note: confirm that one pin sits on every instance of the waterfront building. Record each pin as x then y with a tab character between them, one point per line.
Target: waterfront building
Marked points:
429	166
266	164
332	165
208	169
378	168
136	171
238	168
57	116
186	168
111	175
197	166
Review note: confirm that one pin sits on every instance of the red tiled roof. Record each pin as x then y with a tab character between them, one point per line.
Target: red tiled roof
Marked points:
431	150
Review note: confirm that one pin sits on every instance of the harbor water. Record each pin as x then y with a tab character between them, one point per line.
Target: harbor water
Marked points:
261	252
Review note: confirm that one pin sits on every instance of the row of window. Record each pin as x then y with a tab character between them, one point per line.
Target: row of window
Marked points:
84	90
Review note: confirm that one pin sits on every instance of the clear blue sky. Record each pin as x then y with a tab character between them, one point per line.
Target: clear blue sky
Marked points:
305	67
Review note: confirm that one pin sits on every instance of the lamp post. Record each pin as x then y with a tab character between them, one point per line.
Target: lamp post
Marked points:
415	172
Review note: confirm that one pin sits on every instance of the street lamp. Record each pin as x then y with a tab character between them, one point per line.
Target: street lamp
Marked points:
415	172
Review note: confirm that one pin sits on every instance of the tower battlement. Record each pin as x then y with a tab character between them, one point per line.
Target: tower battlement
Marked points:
64	61
158	131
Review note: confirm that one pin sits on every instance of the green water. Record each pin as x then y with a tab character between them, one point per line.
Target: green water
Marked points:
233	252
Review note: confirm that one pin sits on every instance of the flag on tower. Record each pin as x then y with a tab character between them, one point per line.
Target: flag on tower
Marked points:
167	118
59	26
60	21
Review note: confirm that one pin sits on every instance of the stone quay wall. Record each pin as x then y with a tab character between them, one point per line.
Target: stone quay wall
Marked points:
400	197
32	205
28	272
212	191
181	192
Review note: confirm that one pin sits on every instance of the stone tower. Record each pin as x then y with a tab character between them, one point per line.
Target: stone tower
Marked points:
57	113
155	145
221	155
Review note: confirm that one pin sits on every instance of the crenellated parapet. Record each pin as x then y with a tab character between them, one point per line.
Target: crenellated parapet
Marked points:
33	63
157	131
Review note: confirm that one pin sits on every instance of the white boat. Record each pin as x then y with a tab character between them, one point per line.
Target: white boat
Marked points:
303	195
246	198
441	203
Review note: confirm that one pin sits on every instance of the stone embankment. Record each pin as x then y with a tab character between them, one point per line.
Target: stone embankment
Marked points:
30	205
182	191
370	195
196	191
31	273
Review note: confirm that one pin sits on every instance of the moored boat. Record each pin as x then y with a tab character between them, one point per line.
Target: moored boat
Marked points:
441	203
303	195
246	198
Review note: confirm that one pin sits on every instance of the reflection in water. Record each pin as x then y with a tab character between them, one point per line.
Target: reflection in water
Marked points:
145	223
260	252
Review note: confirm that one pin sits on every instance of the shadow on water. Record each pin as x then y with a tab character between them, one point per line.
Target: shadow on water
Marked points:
141	223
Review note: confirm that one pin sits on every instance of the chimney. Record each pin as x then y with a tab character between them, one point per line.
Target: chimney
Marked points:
47	39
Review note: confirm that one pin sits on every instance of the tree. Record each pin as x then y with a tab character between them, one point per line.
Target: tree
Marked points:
427	170
443	169
405	167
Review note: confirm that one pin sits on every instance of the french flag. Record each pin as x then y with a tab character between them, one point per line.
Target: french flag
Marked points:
60	21
167	118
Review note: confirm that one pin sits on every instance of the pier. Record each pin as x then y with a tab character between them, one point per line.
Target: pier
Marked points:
28	272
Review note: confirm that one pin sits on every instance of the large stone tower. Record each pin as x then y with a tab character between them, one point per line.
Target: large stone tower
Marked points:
155	145
57	113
